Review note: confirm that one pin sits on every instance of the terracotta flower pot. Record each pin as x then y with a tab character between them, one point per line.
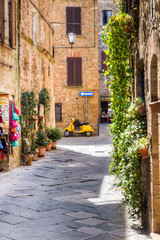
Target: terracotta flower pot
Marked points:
35	155
141	110
42	150
144	152
27	159
54	145
49	146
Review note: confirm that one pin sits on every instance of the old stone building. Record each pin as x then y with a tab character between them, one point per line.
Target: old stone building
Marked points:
36	50
9	76
76	69
146	63
105	9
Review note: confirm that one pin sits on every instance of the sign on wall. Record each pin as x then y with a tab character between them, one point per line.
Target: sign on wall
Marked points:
4	104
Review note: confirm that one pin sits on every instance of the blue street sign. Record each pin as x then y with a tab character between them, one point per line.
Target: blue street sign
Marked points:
85	94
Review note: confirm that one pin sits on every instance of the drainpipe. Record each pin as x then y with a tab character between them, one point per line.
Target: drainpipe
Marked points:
94	23
19	48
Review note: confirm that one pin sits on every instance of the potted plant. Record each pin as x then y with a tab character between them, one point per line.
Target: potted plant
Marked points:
143	147
140	106
34	148
49	145
54	134
27	157
41	142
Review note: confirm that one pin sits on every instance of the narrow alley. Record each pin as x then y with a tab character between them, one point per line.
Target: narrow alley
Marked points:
68	195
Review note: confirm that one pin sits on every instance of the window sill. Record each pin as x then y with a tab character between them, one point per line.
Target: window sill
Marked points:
80	86
6	46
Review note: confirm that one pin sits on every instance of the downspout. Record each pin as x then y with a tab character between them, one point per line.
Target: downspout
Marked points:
94	23
19	48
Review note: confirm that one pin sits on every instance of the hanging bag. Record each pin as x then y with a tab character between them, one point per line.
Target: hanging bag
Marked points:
15	143
14	136
14	114
1	146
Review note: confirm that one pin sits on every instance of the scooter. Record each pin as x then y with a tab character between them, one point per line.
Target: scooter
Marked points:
78	127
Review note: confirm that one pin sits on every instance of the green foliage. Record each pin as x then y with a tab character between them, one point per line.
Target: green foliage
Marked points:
44	99
28	105
54	134
144	142
41	139
128	126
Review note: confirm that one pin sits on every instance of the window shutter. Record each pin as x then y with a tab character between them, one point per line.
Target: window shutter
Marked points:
77	19
78	71
69	19
2	27
103	58
70	71
13	7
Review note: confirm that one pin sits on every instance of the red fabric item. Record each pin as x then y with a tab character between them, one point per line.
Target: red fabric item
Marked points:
1	119
108	119
2	154
15	108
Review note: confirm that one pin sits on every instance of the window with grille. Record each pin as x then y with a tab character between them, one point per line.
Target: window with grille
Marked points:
74	71
106	15
73	20
58	111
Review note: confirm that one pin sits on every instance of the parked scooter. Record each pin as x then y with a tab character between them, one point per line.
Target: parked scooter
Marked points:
78	127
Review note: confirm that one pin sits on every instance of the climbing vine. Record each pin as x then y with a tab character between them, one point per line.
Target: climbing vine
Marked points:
128	126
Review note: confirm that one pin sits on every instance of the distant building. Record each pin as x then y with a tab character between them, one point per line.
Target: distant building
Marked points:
105	10
76	69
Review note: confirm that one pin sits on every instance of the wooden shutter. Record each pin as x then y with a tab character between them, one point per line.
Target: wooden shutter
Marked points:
73	15
78	71
69	19
70	71
103	58
77	19
13	25
2	26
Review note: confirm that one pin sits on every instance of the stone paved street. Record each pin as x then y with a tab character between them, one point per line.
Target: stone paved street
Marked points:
67	195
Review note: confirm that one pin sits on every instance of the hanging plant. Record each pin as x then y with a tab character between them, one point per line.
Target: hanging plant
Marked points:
128	124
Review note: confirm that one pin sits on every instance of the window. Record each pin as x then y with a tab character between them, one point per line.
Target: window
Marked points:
74	71
58	111
106	15
73	20
35	28
8	22
103	58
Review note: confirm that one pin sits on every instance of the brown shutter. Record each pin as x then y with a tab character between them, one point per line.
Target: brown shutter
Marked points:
103	58
13	7
69	19
78	71
2	26
70	71
77	19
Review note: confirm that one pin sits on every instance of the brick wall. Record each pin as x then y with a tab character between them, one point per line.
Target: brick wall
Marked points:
147	56
37	48
72	104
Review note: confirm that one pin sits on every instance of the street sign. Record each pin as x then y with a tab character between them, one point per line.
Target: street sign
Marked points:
85	94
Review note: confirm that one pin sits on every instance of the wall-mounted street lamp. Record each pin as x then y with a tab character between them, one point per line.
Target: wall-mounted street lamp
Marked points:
71	38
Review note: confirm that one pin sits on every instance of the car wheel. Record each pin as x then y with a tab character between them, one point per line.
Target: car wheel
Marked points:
66	133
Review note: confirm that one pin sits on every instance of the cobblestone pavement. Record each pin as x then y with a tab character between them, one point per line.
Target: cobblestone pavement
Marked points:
67	195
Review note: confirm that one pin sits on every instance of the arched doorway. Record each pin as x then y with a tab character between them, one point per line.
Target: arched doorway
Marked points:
155	127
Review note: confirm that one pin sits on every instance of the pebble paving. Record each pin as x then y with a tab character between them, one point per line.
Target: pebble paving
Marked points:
68	195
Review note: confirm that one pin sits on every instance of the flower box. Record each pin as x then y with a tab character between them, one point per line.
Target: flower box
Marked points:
155	106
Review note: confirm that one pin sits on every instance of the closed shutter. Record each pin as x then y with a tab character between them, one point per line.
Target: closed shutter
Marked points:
78	71
13	7
103	58
69	19
2	27
73	15
77	19
70	71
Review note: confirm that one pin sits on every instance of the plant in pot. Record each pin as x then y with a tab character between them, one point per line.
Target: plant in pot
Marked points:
27	157
143	147
34	147
41	142
49	145
54	134
44	99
